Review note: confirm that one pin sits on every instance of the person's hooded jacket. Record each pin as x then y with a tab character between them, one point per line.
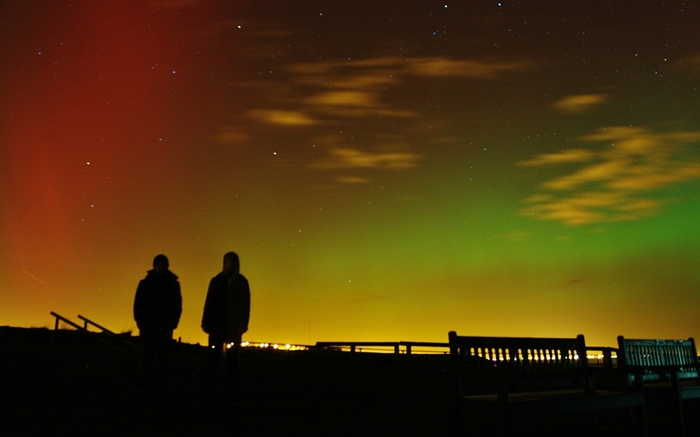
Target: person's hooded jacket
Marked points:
227	307
158	302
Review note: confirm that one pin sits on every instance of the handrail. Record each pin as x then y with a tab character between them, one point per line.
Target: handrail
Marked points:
354	344
65	320
90	322
409	345
112	336
396	345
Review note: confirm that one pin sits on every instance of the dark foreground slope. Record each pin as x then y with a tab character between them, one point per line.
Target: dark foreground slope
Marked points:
80	385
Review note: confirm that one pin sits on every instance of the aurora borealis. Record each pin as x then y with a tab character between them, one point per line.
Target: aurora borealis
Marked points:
385	170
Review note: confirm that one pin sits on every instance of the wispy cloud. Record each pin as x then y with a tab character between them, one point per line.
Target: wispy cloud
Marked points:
230	135
615	182
280	117
337	91
353	180
354	103
343	158
382	70
465	68
328	94
579	103
566	156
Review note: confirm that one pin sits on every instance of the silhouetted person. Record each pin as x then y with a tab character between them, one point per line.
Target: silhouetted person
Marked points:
225	319
157	309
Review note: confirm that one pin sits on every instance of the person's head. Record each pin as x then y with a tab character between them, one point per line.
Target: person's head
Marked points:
231	263
160	263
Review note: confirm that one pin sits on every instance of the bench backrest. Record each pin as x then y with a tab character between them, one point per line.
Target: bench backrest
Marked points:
509	364
649	353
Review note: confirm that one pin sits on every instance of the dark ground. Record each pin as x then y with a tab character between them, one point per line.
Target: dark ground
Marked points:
82	385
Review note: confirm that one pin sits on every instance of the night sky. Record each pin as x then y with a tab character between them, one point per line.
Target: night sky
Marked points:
386	170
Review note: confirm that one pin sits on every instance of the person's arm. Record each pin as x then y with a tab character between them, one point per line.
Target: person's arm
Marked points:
208	308
246	306
177	310
138	303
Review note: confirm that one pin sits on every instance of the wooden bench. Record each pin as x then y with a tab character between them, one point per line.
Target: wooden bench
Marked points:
510	378
662	364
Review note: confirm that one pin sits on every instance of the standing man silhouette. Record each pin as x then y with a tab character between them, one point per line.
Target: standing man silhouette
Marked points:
157	310
225	319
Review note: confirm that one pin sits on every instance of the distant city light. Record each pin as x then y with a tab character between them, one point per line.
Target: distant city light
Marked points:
273	346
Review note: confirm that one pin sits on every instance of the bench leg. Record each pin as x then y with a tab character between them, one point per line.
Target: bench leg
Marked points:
678	399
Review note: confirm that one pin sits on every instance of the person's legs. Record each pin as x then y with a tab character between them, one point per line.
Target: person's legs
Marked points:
148	350
163	347
212	366
233	379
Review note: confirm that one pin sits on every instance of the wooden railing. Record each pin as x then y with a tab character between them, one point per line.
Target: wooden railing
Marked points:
60	318
434	347
398	347
114	339
90	322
